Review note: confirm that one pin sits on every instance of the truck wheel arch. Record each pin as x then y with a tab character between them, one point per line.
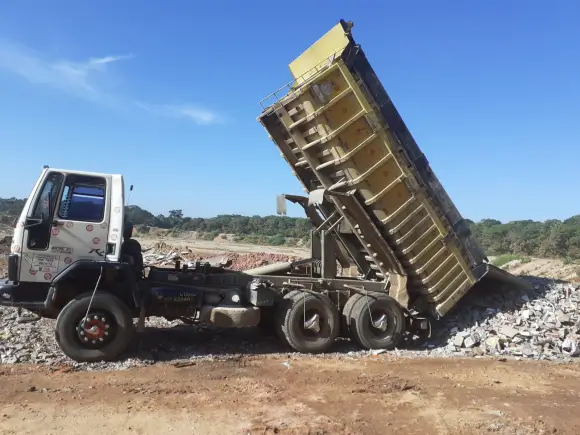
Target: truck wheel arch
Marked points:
82	276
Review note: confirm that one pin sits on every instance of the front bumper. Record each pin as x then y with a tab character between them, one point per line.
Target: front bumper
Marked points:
10	296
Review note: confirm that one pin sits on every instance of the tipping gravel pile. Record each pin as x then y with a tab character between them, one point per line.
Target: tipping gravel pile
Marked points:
543	323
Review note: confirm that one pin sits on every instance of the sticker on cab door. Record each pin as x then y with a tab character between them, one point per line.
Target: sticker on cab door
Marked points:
61	250
45	263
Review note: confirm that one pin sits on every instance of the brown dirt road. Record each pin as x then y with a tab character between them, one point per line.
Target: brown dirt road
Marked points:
260	395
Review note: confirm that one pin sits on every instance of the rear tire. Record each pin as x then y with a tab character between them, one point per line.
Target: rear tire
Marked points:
109	330
346	313
318	311
284	304
388	318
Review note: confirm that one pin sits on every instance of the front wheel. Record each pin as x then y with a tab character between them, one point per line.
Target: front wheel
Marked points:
99	336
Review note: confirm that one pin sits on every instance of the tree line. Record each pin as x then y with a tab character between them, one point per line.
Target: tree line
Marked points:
551	238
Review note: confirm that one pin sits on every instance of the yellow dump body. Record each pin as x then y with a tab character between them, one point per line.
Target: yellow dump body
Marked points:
340	132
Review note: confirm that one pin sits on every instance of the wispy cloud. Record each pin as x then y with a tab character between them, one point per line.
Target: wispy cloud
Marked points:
85	80
80	79
196	114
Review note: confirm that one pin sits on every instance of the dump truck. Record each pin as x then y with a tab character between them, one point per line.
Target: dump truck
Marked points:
389	250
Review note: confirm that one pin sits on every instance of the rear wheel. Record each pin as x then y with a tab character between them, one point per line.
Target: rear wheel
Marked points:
283	305
308	322
346	312
99	336
377	321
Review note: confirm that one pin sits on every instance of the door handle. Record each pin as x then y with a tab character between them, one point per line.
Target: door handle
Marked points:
56	223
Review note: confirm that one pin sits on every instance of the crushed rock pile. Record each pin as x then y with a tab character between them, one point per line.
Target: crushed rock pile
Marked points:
542	323
162	254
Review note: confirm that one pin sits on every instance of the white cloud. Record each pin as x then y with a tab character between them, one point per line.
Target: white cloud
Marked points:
199	116
192	113
84	80
80	79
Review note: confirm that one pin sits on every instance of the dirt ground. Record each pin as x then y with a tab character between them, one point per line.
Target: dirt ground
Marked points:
310	396
219	247
544	267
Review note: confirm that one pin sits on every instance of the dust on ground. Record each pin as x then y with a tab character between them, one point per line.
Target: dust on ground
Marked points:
265	395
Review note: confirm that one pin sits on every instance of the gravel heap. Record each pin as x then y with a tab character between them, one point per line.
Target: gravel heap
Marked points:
542	323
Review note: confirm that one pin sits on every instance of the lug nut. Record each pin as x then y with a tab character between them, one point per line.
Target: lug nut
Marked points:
94	342
107	326
82	332
86	339
106	333
101	339
103	320
96	317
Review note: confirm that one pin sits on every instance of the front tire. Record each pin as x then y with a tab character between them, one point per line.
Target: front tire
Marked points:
102	335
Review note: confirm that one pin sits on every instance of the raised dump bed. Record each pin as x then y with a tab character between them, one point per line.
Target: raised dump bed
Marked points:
344	139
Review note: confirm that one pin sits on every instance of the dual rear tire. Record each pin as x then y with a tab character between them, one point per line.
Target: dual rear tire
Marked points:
307	322
310	322
374	321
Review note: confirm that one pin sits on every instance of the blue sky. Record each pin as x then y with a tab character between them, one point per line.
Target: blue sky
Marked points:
167	93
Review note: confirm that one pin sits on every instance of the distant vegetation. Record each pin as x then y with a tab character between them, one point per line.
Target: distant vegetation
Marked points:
508	241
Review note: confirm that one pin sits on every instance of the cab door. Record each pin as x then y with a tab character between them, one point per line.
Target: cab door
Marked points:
77	228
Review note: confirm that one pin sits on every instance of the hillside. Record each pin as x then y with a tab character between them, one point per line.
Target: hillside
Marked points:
525	238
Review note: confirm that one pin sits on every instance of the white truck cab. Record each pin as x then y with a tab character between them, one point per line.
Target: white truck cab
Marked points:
69	216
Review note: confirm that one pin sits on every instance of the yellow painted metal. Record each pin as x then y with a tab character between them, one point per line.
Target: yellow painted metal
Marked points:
332	43
336	128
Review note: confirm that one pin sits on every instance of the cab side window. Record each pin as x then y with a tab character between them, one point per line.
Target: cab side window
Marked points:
83	199
40	217
48	197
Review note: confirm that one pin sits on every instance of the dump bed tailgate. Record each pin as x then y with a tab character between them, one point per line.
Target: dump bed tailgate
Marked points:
339	130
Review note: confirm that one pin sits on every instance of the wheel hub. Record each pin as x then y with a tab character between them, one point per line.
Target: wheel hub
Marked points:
381	323
313	324
94	329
